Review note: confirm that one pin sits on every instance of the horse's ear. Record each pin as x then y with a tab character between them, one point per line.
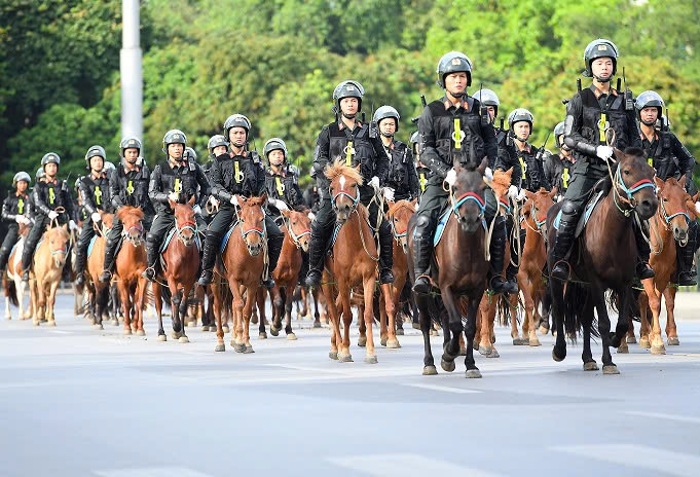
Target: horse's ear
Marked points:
528	194
553	192
286	213
264	197
509	172
191	201
619	154
682	181
65	227
414	203
696	197
659	182
172	203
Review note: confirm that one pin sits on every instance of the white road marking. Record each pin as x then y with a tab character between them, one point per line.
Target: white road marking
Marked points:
648	458
667	417
61	332
151	472
447	389
405	465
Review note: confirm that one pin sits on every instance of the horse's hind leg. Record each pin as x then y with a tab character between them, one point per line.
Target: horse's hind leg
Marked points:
158	305
370	355
184	307
287	298
277	311
470	333
452	327
262	334
654	297
557	294
671	330
589	363
604	328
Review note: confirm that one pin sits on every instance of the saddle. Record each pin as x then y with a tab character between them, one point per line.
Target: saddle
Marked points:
599	191
168	238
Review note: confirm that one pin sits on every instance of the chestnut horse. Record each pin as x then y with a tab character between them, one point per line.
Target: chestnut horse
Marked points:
460	270
180	268
47	268
353	263
533	259
130	262
12	280
604	257
98	292
297	234
242	265
669	226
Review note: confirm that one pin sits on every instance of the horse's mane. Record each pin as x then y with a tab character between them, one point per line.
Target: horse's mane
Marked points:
129	210
57	230
635	151
402	204
338	168
255	200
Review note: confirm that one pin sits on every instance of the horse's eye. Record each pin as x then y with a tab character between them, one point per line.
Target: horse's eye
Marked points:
626	172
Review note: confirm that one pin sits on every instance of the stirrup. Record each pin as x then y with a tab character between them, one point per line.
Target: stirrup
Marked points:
149	274
559	267
105	276
423	284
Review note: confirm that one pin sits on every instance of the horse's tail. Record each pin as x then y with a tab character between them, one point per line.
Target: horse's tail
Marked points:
166	295
633	309
11	292
505	311
575	301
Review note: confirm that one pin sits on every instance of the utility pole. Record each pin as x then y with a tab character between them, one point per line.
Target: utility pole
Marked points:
131	71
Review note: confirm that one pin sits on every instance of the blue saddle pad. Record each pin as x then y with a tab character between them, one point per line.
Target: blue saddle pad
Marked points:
442	223
224	242
169	237
91	245
590	206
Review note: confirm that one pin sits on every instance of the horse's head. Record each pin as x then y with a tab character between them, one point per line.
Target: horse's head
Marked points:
298	228
634	183
399	215
538	204
58	239
107	221
673	207
467	196
499	184
251	221
132	221
185	222
345	189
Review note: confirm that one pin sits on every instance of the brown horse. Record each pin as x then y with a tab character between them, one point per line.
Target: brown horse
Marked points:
353	263
47	268
98	292
242	266
603	258
129	264
460	271
534	258
668	226
180	268
297	234
12	280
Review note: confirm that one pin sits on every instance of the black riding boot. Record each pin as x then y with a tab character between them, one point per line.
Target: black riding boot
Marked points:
512	270
386	255
320	236
687	275
564	239
497	250
422	252
274	249
80	259
108	267
642	269
211	244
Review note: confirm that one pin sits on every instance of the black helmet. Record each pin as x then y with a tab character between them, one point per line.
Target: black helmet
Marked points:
600	48
51	157
237	121
95	151
21	176
39	173
190	154
216	141
274	144
487	98
558	131
453	62
108	167
174	136
348	89
128	143
384	112
520	114
649	99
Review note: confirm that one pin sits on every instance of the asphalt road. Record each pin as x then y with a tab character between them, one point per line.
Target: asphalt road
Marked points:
79	402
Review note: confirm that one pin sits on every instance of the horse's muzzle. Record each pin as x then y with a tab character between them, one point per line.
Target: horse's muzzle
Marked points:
646	207
469	225
680	235
254	249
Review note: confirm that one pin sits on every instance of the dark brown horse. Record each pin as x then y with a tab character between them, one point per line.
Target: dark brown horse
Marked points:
603	258
242	266
180	269
460	271
130	263
353	263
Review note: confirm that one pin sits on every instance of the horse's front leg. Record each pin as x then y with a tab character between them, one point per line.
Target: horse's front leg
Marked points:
346	313
654	297
557	297
247	312
51	304
589	363
671	330
287	298
237	340
158	305
175	302
604	328
470	333
422	303
334	319
390	296
452	327
184	307
277	310
262	334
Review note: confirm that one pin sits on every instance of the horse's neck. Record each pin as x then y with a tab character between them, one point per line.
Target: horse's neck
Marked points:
617	224
356	231
662	238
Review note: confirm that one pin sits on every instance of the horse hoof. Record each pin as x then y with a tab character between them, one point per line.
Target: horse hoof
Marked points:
393	343
493	354
333	355
644	343
254	319
140	333
520	341
434	333
248	349
51	323
220	348
416	326
345	358
590	366
238	348
291	336
673	341
658	349
115	322
371	360
262	336
98	326
610	369
205	328
429	371
225	329
448	366
382	341
543	330
317	324
472	373
362	341
558	358
399	332
162	338
534	342
184	339
127	331
484	350
631	340
176	335
623	349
